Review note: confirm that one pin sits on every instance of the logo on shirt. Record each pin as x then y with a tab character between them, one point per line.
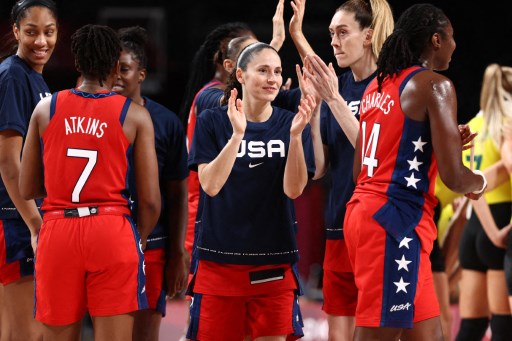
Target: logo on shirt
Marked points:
251	165
399	307
43	95
354	106
259	149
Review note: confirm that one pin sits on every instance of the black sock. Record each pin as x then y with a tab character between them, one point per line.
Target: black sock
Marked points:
501	327
472	329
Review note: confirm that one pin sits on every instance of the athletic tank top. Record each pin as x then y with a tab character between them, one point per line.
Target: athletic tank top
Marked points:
85	150
397	159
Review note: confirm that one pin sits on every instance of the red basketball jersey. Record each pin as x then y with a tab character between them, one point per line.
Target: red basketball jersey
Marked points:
397	158
85	150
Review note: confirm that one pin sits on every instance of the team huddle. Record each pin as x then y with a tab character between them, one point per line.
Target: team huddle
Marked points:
116	204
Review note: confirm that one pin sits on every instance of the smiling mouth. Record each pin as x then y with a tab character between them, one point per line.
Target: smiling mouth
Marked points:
40	53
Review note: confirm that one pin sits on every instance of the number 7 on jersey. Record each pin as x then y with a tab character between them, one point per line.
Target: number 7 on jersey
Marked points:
92	157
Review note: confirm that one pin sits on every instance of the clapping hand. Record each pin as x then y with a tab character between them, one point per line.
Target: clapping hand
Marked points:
236	114
303	115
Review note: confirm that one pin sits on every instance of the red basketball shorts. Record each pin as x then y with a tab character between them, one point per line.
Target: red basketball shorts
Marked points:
16	256
155	291
231	301
230	318
339	287
93	263
393	278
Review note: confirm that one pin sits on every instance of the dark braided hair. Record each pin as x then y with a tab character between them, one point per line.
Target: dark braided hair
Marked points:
18	13
134	40
413	31
96	49
210	53
244	58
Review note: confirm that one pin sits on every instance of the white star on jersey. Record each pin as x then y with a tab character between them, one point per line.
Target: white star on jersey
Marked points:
414	164
418	145
402	263
404	242
411	181
401	286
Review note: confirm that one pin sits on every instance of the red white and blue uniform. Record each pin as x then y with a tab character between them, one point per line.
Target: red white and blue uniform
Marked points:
21	88
171	153
389	225
248	229
88	255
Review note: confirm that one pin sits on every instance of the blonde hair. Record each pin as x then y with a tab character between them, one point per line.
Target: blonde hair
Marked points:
382	24
374	14
496	101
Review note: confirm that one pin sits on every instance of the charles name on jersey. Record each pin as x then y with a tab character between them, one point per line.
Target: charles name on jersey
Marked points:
85	125
377	100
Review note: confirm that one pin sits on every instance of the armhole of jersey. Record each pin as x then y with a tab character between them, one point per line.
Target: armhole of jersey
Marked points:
53	103
124	111
407	78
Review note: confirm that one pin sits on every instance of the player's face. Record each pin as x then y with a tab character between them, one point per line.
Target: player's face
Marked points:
446	50
36	36
130	76
348	39
263	77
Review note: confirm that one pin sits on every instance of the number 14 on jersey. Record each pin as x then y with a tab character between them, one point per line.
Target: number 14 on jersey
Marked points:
368	159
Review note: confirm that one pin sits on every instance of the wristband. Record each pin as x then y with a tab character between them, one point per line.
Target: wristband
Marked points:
478	172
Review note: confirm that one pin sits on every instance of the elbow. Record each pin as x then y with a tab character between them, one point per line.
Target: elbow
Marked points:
507	162
26	193
151	206
294	193
319	172
454	183
318	175
211	190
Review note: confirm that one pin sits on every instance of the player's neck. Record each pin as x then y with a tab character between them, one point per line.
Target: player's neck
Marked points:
94	86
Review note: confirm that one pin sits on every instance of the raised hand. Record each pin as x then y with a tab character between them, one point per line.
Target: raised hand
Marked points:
303	115
278	31
305	85
299	7
236	114
323	77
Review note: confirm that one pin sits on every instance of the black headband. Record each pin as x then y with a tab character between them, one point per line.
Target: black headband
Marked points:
22	5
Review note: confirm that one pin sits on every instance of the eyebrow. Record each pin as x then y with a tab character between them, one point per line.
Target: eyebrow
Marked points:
338	26
269	66
34	25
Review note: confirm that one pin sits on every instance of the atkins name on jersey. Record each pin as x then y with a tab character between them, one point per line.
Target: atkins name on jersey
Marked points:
85	125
